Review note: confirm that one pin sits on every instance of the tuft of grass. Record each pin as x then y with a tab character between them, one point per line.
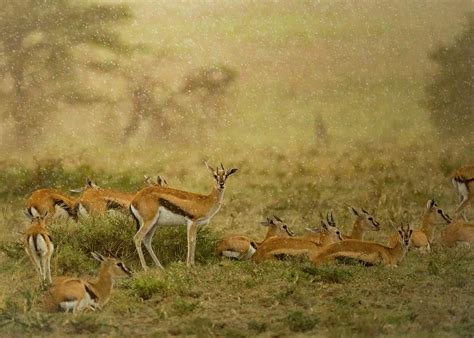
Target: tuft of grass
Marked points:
145	287
299	322
328	273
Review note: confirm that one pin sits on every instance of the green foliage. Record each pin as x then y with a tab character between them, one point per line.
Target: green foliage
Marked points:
449	95
299	322
145	287
113	234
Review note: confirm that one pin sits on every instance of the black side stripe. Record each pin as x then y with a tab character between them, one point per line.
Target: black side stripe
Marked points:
174	208
112	205
71	211
91	293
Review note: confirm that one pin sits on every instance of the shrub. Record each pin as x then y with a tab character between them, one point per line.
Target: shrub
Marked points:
113	234
449	95
299	322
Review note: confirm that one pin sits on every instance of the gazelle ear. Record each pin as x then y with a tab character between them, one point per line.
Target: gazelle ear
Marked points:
353	210
277	218
430	204
231	171
98	256
147	179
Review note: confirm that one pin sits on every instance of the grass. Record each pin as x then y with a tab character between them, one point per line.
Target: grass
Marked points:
361	67
425	295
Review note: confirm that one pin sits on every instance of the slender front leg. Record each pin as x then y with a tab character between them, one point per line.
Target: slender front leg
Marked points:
460	209
191	232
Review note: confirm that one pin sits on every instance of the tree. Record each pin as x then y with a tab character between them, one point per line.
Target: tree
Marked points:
37	60
450	96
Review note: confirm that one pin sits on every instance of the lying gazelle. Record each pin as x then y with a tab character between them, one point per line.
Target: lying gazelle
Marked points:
458	232
242	247
422	238
76	294
95	200
367	252
39	246
305	246
363	222
154	206
50	202
463	181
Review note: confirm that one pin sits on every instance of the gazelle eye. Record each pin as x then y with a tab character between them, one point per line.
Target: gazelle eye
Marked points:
371	219
440	211
285	227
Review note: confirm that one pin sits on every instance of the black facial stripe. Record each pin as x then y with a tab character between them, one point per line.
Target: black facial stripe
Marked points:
174	208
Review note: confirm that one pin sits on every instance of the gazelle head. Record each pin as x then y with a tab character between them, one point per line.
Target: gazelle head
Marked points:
113	266
39	220
90	184
435	213
404	233
329	227
276	227
158	181
365	220
220	175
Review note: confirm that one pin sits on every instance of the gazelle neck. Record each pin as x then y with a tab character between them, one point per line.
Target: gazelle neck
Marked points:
398	251
427	225
357	230
103	285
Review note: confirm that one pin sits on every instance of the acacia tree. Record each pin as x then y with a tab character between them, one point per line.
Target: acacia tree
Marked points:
37	41
450	96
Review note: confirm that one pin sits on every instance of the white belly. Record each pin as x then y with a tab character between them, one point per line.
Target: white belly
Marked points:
166	217
60	212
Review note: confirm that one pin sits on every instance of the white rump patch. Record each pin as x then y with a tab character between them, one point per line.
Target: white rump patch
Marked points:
249	253
34	212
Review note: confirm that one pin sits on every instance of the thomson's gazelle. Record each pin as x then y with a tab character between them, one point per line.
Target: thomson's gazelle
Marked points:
76	294
368	252
154	206
242	247
39	246
463	181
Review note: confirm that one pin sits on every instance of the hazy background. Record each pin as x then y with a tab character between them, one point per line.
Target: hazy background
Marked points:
127	85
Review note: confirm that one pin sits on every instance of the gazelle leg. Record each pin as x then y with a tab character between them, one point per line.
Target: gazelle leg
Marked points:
147	242
145	228
191	233
48	264
460	209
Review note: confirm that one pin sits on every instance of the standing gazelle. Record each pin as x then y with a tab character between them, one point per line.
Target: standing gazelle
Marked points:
39	246
155	205
463	181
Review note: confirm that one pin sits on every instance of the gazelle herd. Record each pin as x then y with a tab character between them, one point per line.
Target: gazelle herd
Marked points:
157	205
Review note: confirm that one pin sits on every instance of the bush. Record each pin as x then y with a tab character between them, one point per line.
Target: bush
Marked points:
113	235
146	287
449	95
299	322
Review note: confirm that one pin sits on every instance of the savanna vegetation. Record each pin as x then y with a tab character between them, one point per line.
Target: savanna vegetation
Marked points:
319	105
